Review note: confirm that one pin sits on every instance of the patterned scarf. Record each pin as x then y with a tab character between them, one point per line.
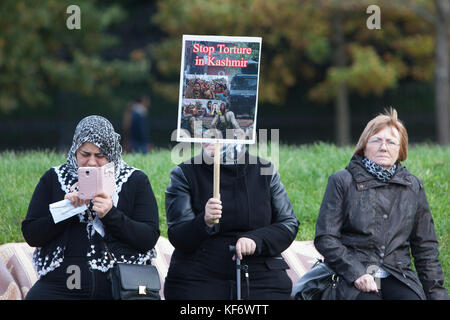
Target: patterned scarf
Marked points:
100	132
230	153
378	171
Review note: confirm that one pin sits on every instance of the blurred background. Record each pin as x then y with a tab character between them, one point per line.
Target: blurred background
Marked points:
325	70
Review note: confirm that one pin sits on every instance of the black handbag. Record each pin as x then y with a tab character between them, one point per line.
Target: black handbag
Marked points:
319	283
135	282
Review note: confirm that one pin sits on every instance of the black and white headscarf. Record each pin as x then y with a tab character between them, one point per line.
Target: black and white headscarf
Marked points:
100	132
378	171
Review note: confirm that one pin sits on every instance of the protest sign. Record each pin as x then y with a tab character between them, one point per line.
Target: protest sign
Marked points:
218	95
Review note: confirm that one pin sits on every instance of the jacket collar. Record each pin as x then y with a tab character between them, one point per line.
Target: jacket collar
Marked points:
366	180
228	169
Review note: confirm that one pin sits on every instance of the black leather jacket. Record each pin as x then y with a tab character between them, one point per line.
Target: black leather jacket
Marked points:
363	222
254	206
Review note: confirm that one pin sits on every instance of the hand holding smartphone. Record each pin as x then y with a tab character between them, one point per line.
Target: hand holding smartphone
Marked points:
92	180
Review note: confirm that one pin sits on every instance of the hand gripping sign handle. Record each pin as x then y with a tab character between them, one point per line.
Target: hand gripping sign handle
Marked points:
216	194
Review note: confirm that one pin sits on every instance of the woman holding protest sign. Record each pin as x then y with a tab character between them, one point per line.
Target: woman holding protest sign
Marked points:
70	257
372	215
254	214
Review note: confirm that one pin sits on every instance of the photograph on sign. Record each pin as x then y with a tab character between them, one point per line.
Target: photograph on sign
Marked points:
218	96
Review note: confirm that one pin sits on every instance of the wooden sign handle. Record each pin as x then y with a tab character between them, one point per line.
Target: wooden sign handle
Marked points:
216	194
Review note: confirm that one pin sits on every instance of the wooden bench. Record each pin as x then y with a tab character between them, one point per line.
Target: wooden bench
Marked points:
17	274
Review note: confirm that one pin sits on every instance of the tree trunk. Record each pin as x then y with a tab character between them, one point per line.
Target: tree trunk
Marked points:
442	86
341	104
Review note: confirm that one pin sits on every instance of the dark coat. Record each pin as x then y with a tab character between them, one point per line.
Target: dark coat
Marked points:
255	206
364	221
131	228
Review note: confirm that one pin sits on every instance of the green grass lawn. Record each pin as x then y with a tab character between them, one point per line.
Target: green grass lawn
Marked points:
304	172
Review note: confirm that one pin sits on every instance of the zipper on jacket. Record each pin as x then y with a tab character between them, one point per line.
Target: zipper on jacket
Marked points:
399	264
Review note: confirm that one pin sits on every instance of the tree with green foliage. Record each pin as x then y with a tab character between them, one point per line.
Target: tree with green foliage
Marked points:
40	57
437	14
322	44
369	61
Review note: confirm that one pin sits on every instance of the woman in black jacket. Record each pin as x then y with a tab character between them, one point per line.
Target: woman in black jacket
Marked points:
373	214
70	256
255	215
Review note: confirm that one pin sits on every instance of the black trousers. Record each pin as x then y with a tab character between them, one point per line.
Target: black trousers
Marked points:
210	274
390	289
267	285
72	280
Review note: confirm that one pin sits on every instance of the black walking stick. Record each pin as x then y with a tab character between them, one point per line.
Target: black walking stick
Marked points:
238	272
240	267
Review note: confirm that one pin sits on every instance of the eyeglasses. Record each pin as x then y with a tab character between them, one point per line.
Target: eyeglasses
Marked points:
389	143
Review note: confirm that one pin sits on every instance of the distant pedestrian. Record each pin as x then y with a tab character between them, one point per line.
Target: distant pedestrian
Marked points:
126	128
140	126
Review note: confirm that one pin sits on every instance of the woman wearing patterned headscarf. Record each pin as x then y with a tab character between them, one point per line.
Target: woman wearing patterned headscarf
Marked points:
373	215
70	256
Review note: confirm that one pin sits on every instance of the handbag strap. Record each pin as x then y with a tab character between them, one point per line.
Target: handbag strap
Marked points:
104	242
107	251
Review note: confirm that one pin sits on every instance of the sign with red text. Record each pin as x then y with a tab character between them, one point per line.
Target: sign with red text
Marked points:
218	95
